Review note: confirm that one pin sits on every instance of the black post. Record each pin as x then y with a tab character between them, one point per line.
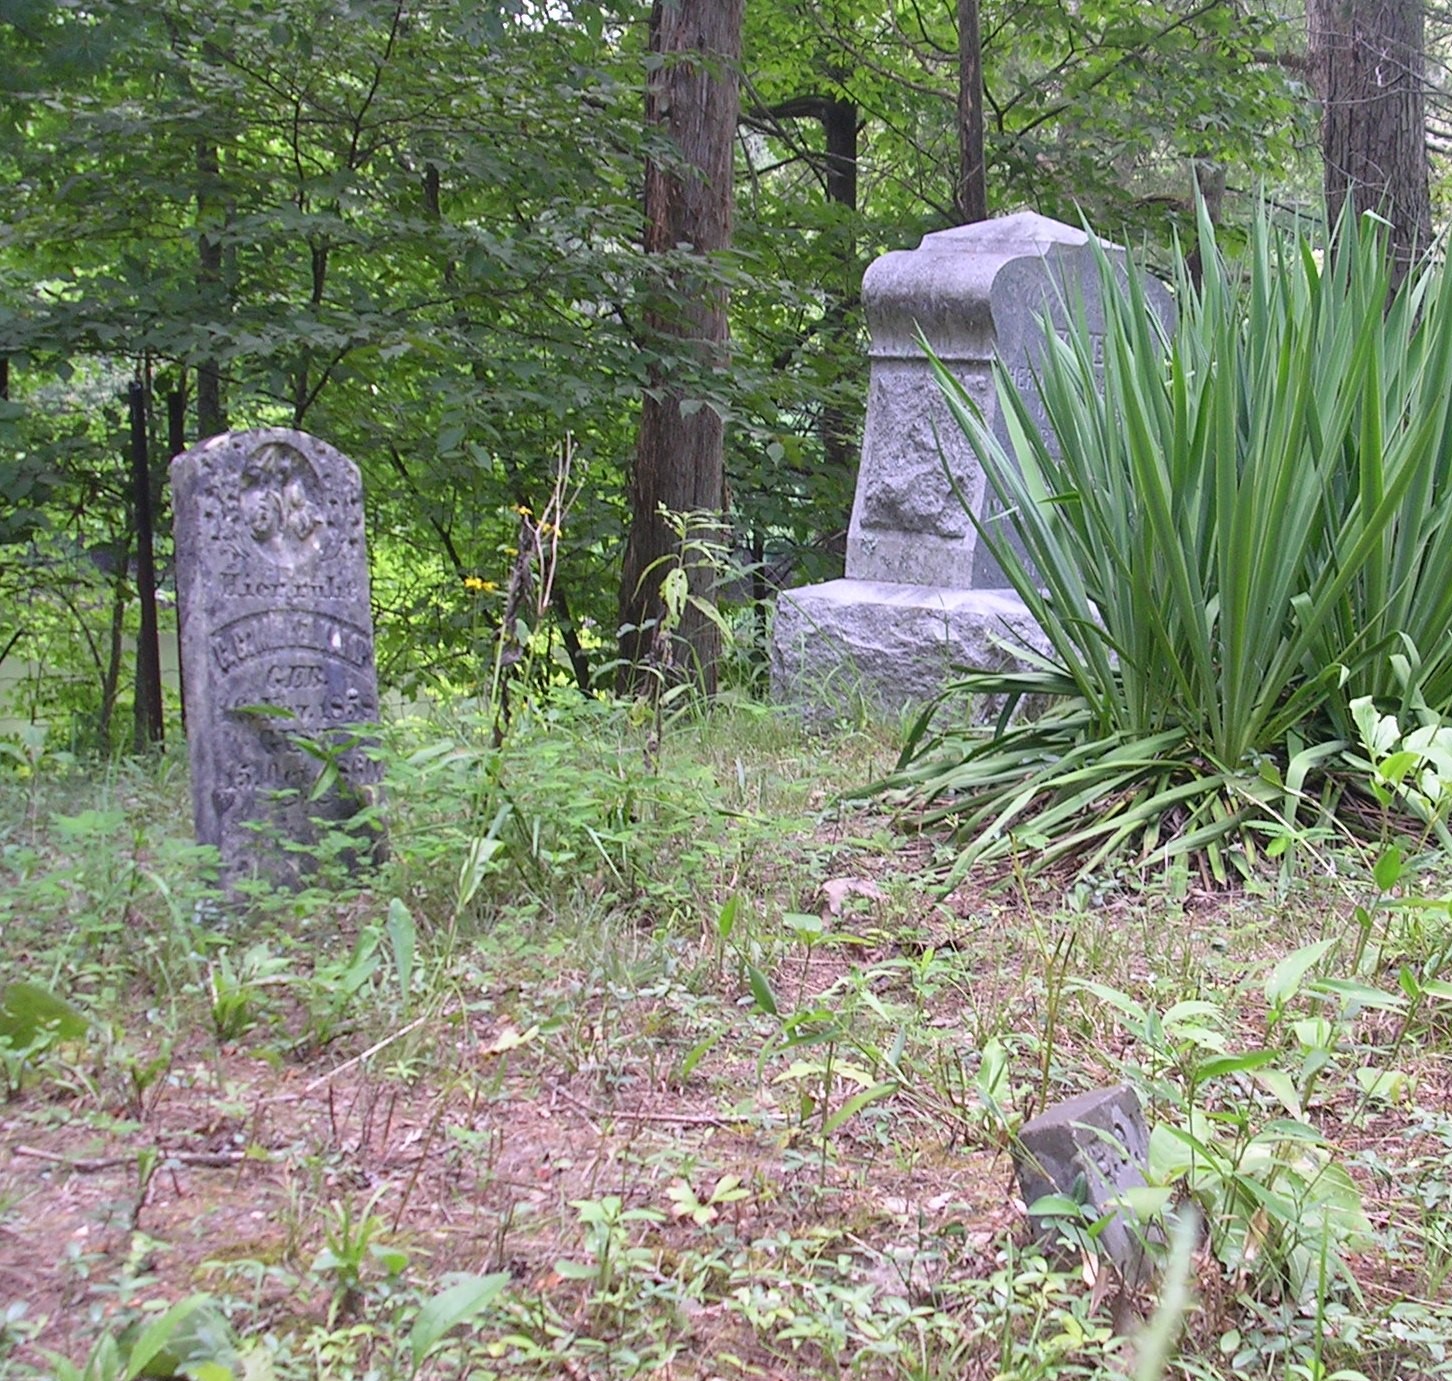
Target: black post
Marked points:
176	423
176	443
149	728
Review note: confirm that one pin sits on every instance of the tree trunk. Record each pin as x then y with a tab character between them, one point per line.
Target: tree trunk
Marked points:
148	723
692	98
839	443
1367	56
211	410
970	199
176	443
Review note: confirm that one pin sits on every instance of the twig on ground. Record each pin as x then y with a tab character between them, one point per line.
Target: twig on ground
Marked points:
367	1054
90	1165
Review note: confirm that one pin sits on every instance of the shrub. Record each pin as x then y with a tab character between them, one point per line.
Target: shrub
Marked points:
1245	527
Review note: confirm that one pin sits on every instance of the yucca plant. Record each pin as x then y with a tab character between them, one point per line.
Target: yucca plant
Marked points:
1245	526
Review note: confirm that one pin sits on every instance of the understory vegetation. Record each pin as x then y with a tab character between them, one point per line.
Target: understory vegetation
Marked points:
643	1055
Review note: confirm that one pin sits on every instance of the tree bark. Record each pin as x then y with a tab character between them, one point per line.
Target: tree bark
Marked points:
970	199
839	125
692	97
1368	58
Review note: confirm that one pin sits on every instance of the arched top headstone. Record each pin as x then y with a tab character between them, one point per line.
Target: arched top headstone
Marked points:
276	637
944	287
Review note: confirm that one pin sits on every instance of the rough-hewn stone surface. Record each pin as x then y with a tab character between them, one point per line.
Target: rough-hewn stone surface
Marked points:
276	638
1093	1146
973	293
851	643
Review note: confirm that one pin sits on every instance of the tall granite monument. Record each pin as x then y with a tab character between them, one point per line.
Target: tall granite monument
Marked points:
923	597
277	644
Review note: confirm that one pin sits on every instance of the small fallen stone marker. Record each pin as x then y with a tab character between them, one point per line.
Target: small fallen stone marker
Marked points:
1091	1147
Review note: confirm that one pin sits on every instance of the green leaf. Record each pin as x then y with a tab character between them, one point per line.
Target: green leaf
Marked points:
164	1346
674	587
1284	980
1387	870
698	1052
393	1259
992	1074
1280	1084
460	1302
761	990
1056	1206
1220	1065
1355	994
402	938
1146	1201
1383	1085
803	925
855	1104
27	1010
477	865
726	919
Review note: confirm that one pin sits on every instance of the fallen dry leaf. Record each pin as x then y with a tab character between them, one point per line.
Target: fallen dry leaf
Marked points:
835	892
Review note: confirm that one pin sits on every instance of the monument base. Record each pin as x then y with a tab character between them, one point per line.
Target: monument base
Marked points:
871	644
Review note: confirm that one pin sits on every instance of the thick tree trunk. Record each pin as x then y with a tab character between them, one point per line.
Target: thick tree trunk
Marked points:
1367	56
691	96
970	199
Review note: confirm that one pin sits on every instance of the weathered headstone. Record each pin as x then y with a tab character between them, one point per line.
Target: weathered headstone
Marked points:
922	595
277	644
1092	1148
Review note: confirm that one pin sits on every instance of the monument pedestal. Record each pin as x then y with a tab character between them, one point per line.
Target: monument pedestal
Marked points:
924	598
885	646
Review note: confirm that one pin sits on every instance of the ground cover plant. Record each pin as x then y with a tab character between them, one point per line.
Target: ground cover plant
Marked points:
641	1056
1245	533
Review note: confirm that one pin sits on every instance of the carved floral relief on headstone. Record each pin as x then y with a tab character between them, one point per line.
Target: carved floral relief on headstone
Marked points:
277	644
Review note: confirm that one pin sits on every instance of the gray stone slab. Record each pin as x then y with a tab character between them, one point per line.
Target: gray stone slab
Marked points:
1093	1146
850	643
277	643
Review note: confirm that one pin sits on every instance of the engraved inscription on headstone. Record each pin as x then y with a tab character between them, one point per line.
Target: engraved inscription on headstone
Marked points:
277	643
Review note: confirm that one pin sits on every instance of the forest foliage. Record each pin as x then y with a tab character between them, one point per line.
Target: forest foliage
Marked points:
414	228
